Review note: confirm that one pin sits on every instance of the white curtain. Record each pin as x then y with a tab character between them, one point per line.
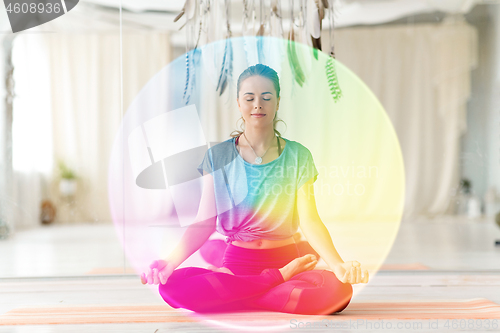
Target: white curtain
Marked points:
86	112
31	129
81	87
421	75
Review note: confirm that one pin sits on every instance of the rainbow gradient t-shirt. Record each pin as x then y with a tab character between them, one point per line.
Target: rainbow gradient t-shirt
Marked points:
257	200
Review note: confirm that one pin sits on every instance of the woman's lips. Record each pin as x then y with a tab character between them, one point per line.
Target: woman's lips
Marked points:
258	115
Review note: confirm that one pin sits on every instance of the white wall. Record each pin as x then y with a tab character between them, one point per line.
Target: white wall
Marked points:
494	111
481	143
4	156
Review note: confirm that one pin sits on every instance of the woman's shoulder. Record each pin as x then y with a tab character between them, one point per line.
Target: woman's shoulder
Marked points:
296	146
220	146
221	150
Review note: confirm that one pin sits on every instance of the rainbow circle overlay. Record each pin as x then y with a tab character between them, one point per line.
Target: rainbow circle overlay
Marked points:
360	188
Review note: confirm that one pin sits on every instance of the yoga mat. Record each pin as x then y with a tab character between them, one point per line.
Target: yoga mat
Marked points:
479	308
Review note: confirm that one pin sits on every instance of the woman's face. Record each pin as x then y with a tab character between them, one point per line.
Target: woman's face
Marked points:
257	101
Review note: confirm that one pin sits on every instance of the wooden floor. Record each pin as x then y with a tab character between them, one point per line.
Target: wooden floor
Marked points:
463	262
101	290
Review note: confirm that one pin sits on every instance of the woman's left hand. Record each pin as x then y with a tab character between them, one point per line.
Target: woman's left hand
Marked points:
349	272
159	272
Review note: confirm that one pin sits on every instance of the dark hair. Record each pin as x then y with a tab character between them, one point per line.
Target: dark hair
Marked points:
261	70
266	72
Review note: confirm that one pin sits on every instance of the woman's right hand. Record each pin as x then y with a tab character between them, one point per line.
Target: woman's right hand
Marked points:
159	271
350	272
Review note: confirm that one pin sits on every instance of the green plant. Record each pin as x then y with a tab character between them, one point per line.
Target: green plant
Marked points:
465	185
66	172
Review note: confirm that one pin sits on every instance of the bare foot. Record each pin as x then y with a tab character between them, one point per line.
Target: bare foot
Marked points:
298	265
220	269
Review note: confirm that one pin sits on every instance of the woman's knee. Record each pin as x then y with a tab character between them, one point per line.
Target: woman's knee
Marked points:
184	273
342	292
323	278
167	292
176	292
343	299
326	294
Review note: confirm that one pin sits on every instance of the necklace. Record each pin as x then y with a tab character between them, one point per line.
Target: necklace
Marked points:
258	159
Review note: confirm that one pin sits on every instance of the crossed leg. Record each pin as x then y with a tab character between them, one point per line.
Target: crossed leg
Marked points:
314	292
306	292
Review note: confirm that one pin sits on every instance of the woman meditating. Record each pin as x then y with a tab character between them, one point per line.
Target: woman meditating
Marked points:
257	191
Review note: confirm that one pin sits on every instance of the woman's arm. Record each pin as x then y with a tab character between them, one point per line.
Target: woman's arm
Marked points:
204	225
318	236
192	239
313	228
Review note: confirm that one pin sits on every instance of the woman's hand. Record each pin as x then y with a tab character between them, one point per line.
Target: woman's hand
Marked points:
159	271
349	272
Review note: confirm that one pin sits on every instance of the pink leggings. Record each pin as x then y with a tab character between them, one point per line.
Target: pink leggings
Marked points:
257	285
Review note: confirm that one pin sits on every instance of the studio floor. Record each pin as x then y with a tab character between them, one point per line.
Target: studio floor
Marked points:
64	266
